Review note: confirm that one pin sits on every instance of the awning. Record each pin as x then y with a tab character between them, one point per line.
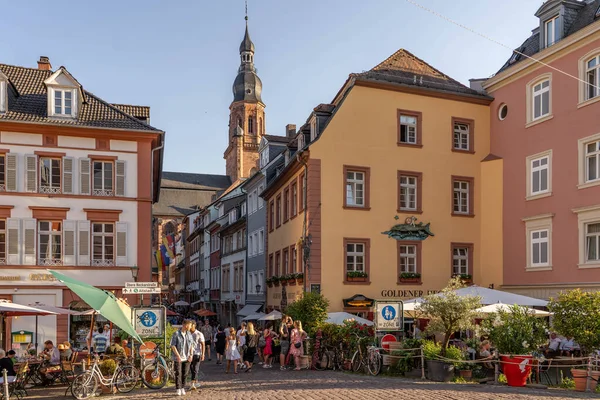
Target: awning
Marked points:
249	309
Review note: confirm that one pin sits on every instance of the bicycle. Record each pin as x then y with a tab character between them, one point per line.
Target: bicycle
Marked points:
85	385
372	360
156	374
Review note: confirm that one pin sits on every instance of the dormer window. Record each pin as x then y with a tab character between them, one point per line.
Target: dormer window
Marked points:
63	102
3	93
313	129
301	141
552	31
264	157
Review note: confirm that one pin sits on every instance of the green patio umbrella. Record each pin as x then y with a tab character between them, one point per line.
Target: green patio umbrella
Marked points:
102	301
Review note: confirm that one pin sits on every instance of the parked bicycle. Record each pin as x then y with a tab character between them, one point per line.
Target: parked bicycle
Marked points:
124	378
367	357
156	374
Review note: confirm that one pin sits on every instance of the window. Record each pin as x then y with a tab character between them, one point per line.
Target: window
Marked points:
592	78
2	242
214	243
251	125
251	201
251	251
232	215
261	201
63	102
552	31
278	210
409	258
271	216
286	261
294	200
2	172
286	205
502	112
50	243
539	248
356	182
541	99
313	129
243	209
462	196
294	259
103	242
462	258
103	178
301	141
50	174
264	157
592	242
271	267
261	241
592	161
277	263
356	258
463	135
540	175
409	128
409	191
302	198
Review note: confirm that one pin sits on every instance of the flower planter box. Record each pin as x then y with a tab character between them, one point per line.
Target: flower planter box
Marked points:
300	281
516	369
466	374
439	371
410	280
276	284
357	279
270	284
291	282
283	283
467	282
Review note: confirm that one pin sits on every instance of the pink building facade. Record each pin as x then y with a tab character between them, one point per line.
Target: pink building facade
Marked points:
545	126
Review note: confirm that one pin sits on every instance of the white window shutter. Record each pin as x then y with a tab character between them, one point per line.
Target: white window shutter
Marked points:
67	178
83	243
13	255
30	173
121	244
120	177
29	243
69	242
11	172
84	176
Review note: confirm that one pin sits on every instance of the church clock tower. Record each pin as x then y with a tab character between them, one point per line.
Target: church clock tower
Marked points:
246	116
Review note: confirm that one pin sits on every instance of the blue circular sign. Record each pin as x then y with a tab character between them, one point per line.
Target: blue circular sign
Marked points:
148	319
388	313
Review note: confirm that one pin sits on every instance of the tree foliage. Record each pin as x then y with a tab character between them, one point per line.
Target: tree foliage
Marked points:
577	314
449	312
311	310
515	332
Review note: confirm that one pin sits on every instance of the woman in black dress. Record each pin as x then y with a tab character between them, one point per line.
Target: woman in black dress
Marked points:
220	344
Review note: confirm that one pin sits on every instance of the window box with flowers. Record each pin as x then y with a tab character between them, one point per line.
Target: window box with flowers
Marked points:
276	280
465	278
410	277
271	281
289	279
356	276
299	276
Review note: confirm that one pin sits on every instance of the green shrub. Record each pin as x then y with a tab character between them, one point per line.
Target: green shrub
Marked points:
311	309
431	350
356	274
567	383
502	378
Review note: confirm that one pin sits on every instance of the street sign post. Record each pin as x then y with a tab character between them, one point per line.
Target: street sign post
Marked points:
149	322
141	284
389	316
141	290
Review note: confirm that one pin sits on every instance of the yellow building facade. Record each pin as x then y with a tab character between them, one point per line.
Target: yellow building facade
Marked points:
393	176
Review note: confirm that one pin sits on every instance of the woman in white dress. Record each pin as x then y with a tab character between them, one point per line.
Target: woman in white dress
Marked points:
231	351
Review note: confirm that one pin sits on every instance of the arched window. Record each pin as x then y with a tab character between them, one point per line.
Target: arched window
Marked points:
239	122
251	125
260	126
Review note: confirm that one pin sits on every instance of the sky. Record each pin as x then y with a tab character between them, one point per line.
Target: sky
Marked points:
180	57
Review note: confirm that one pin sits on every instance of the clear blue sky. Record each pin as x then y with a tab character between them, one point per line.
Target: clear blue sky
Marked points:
181	57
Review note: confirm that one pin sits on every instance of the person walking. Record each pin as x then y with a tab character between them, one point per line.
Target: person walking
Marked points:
251	345
199	346
241	337
231	351
208	333
269	335
182	351
220	339
284	337
297	348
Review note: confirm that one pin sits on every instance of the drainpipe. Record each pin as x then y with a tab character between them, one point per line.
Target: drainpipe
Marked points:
162	145
304	226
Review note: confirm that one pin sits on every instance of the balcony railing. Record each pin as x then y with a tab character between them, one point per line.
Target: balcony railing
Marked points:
49	190
50	262
103	192
103	263
3	261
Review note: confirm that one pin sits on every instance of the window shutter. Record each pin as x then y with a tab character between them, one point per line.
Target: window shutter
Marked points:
67	178
120	177
121	243
69	228
29	241
13	227
11	172
83	243
84	177
30	173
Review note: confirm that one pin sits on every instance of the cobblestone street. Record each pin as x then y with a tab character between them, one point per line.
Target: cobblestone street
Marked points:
286	385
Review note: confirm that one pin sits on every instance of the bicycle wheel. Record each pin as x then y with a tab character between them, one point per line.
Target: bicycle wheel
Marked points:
84	385
155	376
127	379
338	360
357	361
322	360
374	363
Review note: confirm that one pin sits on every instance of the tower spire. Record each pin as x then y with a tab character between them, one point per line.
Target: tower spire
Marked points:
246	18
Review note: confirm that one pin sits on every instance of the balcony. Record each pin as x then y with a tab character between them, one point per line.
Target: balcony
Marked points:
49	190
103	192
50	262
103	263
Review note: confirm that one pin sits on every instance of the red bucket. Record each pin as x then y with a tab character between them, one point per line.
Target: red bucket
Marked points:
516	369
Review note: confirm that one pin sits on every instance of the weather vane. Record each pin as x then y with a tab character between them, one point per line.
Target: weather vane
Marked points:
246	18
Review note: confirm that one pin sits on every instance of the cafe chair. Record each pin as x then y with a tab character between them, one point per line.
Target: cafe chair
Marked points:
16	384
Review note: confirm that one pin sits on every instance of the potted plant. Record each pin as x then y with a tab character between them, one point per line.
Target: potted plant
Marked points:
438	370
299	277
356	276
465	370
270	281
516	333
276	280
577	315
290	278
410	277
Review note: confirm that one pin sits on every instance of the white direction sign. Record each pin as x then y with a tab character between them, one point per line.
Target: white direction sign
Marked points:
141	284
389	316
150	290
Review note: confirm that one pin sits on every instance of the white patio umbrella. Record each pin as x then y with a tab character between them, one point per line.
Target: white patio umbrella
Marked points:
494	308
181	303
254	317
492	296
338	318
8	309
52	309
272	316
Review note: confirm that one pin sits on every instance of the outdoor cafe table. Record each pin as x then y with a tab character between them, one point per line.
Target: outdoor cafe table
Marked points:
564	364
34	366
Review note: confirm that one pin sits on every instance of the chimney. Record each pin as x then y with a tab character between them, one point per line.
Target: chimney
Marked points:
477	84
44	63
290	130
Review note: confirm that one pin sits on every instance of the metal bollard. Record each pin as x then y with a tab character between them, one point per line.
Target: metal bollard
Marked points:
5	377
83	365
